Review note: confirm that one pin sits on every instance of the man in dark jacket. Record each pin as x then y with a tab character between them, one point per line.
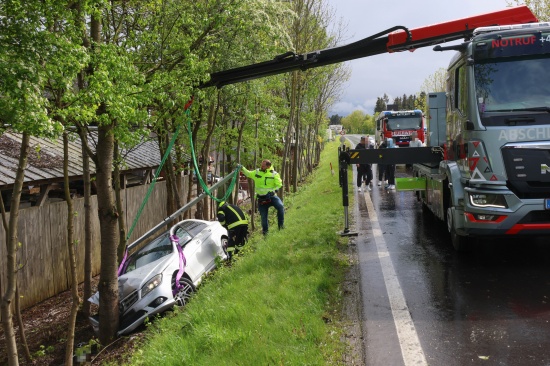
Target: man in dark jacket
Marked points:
234	220
364	171
382	167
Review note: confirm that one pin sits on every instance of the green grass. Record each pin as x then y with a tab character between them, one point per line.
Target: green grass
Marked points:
278	303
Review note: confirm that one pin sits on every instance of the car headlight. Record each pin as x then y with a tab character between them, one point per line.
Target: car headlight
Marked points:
488	200
151	284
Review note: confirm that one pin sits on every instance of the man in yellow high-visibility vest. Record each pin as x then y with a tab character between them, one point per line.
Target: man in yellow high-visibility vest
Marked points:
266	182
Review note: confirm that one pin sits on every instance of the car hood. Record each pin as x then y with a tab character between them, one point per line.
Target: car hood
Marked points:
134	280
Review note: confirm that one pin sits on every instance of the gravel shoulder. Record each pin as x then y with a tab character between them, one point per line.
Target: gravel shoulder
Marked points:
352	309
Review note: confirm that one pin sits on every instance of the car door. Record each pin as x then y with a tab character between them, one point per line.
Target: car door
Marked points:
209	250
199	253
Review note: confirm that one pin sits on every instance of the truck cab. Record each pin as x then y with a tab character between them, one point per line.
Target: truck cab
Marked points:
495	171
400	126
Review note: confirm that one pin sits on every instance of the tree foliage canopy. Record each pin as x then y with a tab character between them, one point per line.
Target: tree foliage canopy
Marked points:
129	68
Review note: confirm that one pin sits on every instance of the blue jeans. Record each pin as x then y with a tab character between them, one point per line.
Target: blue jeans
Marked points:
264	210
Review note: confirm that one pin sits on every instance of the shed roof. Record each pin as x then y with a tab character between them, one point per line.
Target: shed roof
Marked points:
45	161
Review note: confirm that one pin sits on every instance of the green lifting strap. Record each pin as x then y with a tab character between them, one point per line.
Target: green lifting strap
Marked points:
154	181
159	169
196	169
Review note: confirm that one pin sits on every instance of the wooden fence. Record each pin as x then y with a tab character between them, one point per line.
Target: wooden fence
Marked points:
42	232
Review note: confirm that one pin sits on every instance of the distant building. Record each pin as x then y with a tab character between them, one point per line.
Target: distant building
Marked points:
336	128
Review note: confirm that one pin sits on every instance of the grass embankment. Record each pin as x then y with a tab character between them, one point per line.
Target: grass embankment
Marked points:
278	303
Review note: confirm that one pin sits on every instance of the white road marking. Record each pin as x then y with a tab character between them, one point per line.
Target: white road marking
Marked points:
408	338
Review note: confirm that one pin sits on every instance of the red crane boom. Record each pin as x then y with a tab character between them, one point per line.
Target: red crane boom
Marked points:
395	39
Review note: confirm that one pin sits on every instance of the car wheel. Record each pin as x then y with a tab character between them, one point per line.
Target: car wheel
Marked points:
185	292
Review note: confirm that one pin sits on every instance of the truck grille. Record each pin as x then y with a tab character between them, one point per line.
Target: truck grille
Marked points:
528	169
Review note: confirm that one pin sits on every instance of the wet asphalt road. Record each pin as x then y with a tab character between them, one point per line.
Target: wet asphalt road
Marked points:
423	303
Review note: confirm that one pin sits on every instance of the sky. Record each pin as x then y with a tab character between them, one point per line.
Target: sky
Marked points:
402	72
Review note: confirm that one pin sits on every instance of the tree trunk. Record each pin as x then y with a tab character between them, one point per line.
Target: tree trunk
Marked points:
86	306
17	297
180	172
205	151
296	156
172	200
175	201
187	214
119	205
309	149
72	256
108	276
238	158
11	254
198	212
289	131
108	219
21	325
251	187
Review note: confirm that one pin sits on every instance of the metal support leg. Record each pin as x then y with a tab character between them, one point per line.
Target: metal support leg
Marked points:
343	157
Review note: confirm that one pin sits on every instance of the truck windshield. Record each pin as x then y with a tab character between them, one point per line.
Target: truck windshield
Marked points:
511	87
404	123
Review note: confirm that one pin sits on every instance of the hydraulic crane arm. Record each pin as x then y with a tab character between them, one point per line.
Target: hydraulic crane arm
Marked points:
391	40
290	61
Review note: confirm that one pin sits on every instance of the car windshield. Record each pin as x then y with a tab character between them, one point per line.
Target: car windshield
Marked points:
513	88
404	123
155	250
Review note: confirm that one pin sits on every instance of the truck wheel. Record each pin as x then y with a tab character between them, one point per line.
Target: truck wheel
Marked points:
460	243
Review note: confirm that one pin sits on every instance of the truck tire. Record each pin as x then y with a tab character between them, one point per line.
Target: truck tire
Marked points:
460	243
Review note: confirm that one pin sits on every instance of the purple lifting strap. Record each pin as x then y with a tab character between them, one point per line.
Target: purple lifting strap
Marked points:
122	266
183	262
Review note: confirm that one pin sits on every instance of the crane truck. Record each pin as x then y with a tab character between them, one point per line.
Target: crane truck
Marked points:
485	170
494	178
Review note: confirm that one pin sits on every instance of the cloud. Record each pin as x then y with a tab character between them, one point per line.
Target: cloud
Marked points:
345	107
402	72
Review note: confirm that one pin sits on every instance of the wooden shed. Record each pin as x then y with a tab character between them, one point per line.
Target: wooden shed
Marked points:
42	255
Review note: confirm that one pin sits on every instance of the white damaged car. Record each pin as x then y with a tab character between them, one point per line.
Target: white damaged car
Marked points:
166	271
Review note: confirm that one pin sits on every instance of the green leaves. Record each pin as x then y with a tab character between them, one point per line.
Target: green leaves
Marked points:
151	57
33	59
